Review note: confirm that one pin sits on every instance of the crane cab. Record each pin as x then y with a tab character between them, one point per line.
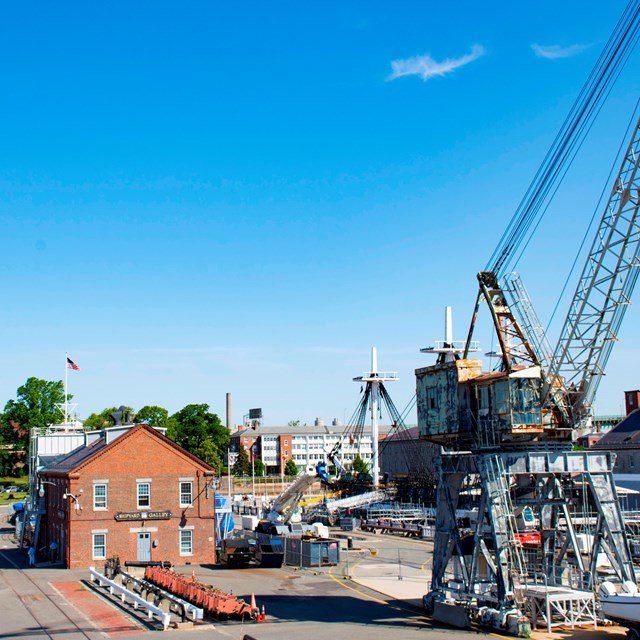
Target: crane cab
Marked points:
462	407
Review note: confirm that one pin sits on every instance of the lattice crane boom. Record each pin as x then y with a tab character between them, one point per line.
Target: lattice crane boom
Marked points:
603	292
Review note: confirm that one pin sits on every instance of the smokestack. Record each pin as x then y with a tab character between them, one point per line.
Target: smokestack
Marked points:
229	411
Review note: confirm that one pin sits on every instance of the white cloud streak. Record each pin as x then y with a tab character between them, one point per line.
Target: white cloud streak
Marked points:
426	67
555	51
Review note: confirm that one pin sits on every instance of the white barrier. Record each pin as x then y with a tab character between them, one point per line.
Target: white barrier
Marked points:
190	610
134	598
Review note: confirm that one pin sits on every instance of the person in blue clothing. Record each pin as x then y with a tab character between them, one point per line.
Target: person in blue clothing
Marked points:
32	556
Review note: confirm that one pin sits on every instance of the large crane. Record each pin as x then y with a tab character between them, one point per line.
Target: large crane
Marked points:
511	428
571	374
602	295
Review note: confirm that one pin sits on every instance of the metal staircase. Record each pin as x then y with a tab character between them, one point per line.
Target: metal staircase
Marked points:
356	501
524	312
511	566
614	543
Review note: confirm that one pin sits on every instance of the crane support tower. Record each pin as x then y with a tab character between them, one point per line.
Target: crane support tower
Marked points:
521	516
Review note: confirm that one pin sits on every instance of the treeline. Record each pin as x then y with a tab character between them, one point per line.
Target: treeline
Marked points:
244	467
38	404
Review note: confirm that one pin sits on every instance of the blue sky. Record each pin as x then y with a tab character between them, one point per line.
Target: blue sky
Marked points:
221	197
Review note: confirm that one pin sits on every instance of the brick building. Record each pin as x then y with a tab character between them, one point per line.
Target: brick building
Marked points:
129	492
306	445
624	441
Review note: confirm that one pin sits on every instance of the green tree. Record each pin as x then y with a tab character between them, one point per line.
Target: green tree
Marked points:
259	468
153	415
104	419
6	463
242	466
291	468
100	420
359	465
208	451
293	423
35	406
194	424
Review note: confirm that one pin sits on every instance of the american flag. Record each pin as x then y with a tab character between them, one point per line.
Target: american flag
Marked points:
72	365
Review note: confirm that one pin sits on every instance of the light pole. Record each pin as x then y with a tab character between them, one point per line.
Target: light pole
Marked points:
282	471
74	498
35	505
41	488
253	472
229	474
347	574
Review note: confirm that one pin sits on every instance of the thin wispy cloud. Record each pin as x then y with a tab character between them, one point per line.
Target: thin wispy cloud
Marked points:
426	67
555	51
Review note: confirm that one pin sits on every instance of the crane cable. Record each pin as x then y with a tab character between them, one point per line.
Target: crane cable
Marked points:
569	139
596	211
578	146
418	465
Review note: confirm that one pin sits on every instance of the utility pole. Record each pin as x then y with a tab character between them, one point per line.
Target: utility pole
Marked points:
229	474
253	473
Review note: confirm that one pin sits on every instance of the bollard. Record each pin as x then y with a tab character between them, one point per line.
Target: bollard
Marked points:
349	542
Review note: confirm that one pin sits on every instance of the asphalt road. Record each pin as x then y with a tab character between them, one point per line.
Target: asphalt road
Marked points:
299	603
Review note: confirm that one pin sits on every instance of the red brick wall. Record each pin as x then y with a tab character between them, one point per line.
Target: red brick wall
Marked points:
138	455
632	400
247	443
286	450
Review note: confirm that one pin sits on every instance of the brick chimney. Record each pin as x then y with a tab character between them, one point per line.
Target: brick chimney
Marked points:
631	400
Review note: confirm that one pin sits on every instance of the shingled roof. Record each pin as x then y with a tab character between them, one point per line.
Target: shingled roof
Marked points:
80	456
626	435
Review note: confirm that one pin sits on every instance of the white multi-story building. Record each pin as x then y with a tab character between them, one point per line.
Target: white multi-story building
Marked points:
304	444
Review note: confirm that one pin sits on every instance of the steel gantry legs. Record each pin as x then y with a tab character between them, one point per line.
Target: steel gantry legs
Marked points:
509	520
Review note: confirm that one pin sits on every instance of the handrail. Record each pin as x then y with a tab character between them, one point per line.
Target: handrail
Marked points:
187	609
152	610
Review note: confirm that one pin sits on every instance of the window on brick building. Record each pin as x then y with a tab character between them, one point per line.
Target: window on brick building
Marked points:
99	546
186	542
186	494
99	496
144	495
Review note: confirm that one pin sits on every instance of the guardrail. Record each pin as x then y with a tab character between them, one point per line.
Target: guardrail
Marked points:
134	598
186	609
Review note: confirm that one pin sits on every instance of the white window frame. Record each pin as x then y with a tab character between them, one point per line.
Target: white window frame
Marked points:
184	536
95	545
148	496
101	507
182	502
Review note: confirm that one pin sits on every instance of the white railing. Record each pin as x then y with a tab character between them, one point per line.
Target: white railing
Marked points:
190	609
134	598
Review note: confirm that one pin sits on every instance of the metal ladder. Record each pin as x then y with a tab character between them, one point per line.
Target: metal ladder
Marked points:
523	311
510	560
604	494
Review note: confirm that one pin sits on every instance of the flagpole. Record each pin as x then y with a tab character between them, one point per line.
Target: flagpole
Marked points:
66	397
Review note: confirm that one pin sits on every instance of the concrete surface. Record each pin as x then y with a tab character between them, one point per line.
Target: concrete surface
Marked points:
374	593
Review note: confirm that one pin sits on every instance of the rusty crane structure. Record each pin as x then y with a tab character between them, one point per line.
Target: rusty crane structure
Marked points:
543	514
